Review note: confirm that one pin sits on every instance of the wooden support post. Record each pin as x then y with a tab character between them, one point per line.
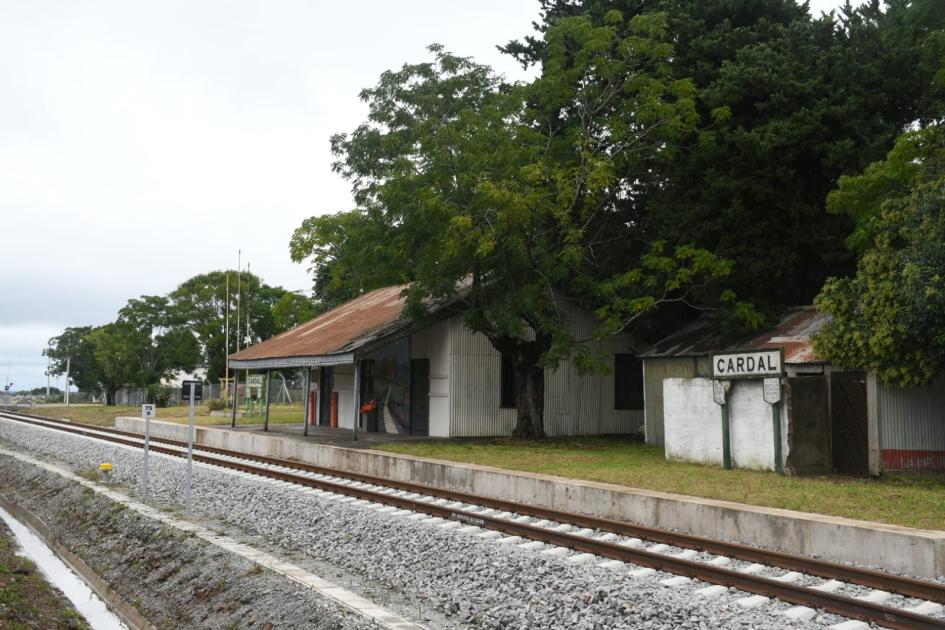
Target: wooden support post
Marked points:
356	397
236	381
268	396
726	439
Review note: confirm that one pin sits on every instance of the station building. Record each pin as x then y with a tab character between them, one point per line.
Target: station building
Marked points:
441	379
830	419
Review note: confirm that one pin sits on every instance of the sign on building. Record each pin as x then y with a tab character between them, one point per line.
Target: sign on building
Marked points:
772	390
748	364
720	391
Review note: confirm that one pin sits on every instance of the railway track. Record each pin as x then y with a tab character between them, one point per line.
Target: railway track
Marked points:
599	537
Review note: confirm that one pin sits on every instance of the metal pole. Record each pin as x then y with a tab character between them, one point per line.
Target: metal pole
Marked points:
226	340
147	444
726	437
190	451
268	394
776	417
236	382
356	397
66	395
306	388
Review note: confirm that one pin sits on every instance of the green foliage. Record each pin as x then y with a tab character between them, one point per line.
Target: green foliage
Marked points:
348	254
291	310
199	304
160	346
161	395
786	104
72	347
155	336
507	195
114	354
216	405
890	317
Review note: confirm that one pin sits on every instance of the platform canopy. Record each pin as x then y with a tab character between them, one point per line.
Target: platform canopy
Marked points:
334	337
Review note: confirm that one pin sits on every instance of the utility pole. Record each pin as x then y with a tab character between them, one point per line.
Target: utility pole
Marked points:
226	340
249	281
66	395
239	300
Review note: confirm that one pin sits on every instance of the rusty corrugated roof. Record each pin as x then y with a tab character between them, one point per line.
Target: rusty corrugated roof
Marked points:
792	333
340	330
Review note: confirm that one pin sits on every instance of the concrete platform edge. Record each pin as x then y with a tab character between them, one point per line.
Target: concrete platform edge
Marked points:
916	552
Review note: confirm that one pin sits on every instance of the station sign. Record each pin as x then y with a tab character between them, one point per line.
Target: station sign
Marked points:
198	390
748	364
254	381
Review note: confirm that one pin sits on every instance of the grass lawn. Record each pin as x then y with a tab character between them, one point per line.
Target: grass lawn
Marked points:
100	415
913	501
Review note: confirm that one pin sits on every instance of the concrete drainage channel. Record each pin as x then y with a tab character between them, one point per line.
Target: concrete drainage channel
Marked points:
710	597
78	585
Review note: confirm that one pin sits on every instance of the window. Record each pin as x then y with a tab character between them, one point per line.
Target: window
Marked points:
628	382
509	393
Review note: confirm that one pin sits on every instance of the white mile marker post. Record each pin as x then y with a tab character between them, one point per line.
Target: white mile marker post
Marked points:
147	412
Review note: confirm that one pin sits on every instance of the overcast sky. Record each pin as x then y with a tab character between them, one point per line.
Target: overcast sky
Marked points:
142	143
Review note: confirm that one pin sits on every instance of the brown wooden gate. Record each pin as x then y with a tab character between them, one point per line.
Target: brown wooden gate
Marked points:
848	418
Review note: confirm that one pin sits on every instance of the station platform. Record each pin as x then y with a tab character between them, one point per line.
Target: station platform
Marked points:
334	436
920	553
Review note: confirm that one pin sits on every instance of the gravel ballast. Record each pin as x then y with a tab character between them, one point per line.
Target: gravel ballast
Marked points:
452	579
172	578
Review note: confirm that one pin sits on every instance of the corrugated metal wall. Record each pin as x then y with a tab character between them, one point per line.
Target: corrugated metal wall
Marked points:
654	371
912	420
574	404
474	385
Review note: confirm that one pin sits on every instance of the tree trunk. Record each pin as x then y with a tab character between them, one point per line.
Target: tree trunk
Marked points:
109	398
530	381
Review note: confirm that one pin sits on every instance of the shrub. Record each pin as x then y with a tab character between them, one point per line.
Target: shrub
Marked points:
161	395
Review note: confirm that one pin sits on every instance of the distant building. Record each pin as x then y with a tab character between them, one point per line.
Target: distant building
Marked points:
831	419
441	379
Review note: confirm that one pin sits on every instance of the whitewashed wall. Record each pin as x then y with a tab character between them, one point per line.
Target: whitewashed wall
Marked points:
693	423
433	343
344	385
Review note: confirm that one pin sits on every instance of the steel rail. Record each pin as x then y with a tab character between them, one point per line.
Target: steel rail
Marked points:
903	585
831	602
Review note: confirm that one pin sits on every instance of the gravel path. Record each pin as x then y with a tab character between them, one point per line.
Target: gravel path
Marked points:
463	580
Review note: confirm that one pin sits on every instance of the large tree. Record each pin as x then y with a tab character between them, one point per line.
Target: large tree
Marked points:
505	195
786	103
73	349
158	344
116	355
890	316
199	304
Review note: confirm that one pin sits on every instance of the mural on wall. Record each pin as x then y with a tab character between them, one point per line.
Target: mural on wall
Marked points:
389	386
